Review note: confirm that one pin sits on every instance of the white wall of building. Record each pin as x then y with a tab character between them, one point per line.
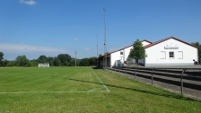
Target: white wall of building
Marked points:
117	59
144	43
159	54
43	65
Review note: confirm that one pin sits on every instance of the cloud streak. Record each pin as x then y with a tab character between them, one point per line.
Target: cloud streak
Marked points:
75	39
28	48
28	2
86	49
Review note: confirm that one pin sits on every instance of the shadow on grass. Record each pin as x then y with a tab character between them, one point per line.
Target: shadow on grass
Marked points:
97	67
137	90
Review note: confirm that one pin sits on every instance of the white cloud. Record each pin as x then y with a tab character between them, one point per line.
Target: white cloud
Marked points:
28	2
86	49
28	48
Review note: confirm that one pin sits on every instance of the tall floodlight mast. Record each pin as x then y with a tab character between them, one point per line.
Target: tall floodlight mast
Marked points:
97	46
105	43
97	51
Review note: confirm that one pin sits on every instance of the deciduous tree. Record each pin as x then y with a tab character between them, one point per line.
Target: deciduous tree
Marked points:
42	59
65	59
1	58
22	61
138	51
198	45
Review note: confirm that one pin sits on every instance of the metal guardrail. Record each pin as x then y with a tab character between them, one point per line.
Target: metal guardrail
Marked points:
189	77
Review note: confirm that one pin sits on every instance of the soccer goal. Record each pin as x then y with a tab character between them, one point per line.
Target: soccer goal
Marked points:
43	65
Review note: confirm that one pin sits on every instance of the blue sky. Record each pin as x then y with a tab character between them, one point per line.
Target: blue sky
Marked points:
52	27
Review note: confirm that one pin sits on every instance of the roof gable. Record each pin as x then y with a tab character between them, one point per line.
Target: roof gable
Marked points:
147	41
130	46
157	42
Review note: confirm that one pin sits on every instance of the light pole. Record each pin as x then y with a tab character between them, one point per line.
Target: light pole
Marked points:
97	45
105	43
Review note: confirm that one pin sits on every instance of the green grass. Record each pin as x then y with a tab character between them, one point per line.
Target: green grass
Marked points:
73	90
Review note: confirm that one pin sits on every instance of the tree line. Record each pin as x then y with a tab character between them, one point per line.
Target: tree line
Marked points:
60	60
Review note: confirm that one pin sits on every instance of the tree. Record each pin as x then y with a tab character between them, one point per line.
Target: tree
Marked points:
50	60
138	51
33	63
42	59
198	45
65	59
92	61
22	61
57	62
84	62
11	63
1	58
1	55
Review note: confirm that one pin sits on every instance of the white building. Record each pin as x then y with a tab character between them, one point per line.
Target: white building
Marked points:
167	52
43	65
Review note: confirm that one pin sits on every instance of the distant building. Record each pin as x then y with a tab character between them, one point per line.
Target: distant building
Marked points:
166	52
43	65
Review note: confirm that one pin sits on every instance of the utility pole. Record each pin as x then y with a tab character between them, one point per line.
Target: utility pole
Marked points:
105	43
75	57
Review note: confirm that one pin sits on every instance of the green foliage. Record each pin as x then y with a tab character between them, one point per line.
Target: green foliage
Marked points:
11	64
42	59
198	45
57	62
22	61
84	62
138	51
1	58
65	59
33	63
60	60
92	61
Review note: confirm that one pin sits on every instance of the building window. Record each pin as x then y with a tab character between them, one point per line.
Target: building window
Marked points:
180	54
171	54
162	55
121	53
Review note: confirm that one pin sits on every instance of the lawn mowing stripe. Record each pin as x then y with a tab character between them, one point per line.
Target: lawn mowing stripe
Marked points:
101	82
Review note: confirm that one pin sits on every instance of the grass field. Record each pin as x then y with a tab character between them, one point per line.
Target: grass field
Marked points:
83	89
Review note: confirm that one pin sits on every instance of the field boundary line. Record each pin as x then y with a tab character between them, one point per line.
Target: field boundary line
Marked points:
43	92
101	82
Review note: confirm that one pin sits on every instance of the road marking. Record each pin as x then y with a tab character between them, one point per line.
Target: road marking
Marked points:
101	82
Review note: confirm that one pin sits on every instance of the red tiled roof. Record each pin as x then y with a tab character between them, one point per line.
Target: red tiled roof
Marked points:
147	41
155	43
